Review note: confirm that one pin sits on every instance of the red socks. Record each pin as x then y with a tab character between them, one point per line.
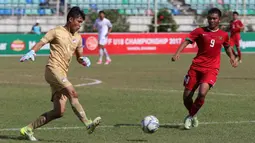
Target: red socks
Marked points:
196	106
239	53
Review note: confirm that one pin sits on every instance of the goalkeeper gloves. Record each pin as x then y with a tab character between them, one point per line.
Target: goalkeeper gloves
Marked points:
29	56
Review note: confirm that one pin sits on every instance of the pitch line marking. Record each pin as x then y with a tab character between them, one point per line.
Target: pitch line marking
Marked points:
132	125
93	82
178	91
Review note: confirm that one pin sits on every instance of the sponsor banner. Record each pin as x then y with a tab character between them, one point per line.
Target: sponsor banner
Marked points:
19	44
138	43
247	43
117	43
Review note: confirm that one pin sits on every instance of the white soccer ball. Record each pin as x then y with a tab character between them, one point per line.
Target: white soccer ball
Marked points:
150	124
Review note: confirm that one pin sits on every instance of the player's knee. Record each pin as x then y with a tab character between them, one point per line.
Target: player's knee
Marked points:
203	90
187	94
73	94
202	94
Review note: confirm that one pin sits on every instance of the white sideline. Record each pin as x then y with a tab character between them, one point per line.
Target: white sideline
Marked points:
94	82
179	91
134	125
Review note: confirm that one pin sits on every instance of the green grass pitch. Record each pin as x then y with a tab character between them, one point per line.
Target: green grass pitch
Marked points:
132	87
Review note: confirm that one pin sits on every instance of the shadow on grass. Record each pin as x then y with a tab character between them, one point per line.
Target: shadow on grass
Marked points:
180	127
20	138
8	137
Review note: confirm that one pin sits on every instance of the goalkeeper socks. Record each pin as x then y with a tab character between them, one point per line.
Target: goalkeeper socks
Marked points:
43	119
80	113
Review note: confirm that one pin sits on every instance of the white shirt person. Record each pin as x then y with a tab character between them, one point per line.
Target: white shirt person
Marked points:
104	27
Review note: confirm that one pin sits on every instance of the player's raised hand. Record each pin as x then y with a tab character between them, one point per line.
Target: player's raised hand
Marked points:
28	56
85	61
175	57
234	63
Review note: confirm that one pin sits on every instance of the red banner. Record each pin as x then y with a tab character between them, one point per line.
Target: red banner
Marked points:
138	43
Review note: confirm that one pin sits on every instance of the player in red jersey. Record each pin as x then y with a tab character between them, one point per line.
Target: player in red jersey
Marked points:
205	66
236	26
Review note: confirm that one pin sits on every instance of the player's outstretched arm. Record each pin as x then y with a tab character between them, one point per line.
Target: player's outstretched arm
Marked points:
38	46
80	58
228	50
31	54
48	37
183	45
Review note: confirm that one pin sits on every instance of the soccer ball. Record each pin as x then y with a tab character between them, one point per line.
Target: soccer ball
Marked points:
150	124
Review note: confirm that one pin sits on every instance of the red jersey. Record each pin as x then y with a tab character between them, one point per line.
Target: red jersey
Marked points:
234	27
209	47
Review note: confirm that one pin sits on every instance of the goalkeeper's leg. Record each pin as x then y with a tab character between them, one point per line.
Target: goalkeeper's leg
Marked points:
59	101
79	111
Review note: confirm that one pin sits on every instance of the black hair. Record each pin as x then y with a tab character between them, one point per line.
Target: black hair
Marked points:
101	12
75	12
214	10
235	12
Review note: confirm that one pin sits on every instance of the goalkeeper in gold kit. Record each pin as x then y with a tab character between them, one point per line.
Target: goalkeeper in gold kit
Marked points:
64	41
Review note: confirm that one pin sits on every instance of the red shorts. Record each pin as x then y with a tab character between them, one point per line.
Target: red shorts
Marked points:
198	76
235	40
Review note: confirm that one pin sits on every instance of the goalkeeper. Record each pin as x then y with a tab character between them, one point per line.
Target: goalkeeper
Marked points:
64	41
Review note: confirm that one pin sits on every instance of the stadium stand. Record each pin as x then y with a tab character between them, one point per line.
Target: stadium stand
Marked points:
24	7
128	7
238	5
40	7
20	15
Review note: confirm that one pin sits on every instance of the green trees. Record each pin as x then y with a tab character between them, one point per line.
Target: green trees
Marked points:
165	21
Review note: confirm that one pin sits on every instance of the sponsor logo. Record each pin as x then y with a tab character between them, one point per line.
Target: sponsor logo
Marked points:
91	43
18	45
